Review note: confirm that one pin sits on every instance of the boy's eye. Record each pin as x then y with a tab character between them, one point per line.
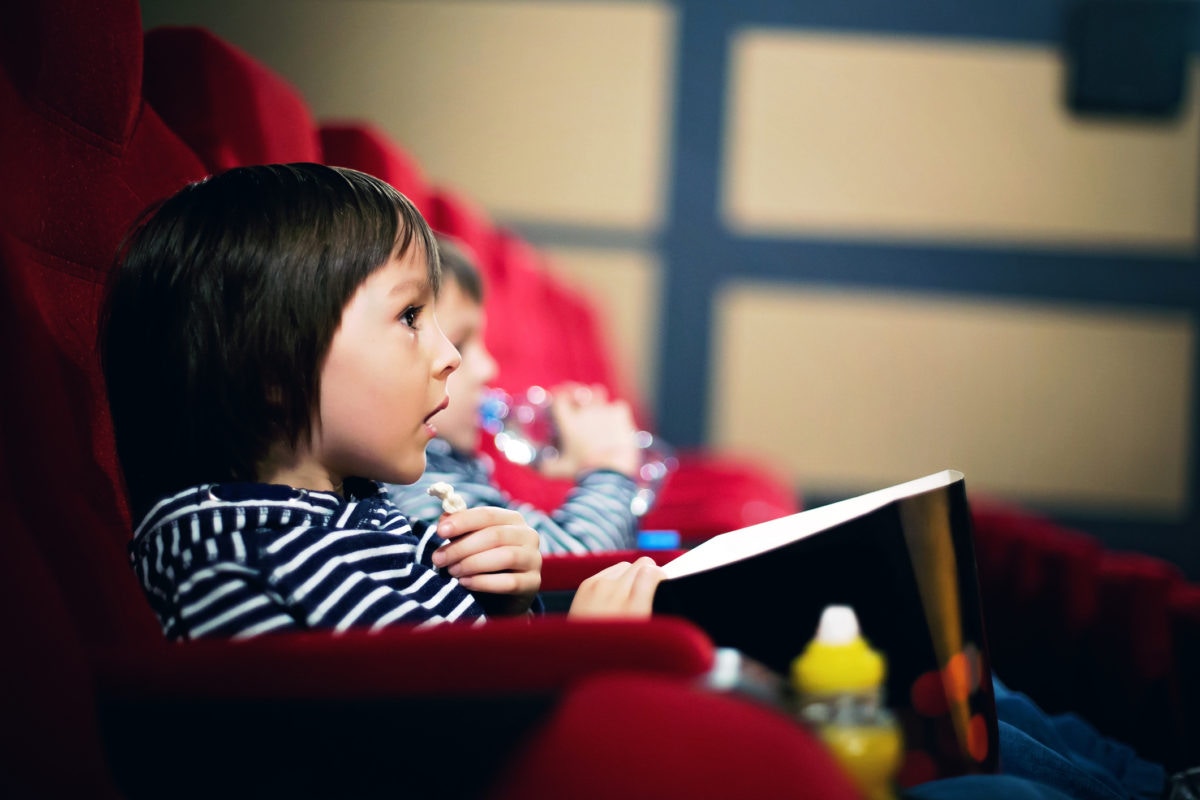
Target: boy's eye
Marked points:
409	315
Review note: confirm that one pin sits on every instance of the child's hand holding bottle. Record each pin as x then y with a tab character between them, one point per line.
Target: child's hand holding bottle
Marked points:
593	433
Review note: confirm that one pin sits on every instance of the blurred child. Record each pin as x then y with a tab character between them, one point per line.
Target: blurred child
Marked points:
597	437
270	353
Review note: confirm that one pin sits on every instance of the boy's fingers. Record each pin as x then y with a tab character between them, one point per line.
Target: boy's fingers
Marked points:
621	590
499	559
611	571
515	583
649	575
469	520
490	538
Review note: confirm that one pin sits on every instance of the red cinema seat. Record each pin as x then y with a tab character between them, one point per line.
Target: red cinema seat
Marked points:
583	355
82	156
687	744
230	108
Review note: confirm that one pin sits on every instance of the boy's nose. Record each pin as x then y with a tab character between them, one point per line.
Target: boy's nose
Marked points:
448	358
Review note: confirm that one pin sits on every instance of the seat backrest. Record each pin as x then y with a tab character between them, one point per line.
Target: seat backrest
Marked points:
82	157
228	107
520	332
364	147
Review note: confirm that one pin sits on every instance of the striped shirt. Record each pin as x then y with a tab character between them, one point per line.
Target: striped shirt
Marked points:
241	559
596	515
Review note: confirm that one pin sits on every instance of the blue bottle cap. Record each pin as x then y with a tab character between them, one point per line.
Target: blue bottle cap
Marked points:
658	540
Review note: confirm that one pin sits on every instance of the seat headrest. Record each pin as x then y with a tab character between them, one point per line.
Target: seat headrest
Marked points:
228	107
364	147
80	153
80	60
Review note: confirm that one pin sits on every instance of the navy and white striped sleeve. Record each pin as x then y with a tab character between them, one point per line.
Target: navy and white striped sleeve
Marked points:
596	515
316	578
226	600
340	579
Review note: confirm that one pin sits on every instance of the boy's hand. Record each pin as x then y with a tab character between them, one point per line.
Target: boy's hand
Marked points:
593	433
622	590
492	551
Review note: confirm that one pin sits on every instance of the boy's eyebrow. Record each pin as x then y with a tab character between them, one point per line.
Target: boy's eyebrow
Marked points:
412	285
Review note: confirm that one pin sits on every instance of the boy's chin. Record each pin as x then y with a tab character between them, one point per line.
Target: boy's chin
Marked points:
409	473
462	442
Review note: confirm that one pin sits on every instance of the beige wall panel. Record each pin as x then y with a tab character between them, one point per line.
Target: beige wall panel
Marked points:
1079	409
882	137
548	110
625	285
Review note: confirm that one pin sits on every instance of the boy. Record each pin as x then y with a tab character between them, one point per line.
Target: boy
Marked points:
270	353
598	437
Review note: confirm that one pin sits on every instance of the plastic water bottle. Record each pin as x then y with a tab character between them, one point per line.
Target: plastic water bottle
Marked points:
838	686
524	432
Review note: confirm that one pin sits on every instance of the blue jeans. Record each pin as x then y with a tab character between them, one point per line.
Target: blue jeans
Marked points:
1044	757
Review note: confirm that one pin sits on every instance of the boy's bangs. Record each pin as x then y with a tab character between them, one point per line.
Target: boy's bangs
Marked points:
395	223
414	227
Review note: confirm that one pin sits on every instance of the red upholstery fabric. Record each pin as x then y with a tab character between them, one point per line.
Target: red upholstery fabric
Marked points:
519	334
69	501
82	156
49	738
334	717
231	109
1108	635
364	147
685	744
510	656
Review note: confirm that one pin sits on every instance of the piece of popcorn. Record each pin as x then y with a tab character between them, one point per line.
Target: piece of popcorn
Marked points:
451	502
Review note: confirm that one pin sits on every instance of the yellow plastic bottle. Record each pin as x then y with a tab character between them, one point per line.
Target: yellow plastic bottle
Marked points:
838	683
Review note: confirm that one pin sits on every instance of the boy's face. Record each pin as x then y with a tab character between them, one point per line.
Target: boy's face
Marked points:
385	377
462	319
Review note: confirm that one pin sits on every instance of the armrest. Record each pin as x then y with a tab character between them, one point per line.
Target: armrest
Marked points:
434	712
502	656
